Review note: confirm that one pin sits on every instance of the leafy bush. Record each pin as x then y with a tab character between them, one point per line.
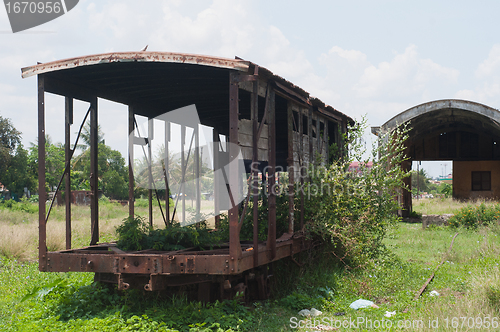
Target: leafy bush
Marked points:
473	216
136	234
350	212
23	205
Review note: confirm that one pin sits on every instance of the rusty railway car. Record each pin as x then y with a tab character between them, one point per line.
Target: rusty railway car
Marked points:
269	121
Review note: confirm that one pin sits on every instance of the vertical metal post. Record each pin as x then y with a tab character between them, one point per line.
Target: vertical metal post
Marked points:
318	135
234	181
197	167
301	165
216	144
94	183
67	176
327	143
42	195
271	235
150	171
166	158
131	135
309	132
291	171
183	176
418	181
254	103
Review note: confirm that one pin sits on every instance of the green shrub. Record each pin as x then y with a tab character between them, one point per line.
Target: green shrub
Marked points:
472	216
135	234
351	212
22	205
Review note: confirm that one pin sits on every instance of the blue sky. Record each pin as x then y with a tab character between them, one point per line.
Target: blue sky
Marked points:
362	57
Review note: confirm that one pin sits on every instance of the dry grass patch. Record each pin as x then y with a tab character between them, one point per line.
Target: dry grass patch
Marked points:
444	205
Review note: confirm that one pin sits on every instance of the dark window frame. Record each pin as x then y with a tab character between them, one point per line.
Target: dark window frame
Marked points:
481	181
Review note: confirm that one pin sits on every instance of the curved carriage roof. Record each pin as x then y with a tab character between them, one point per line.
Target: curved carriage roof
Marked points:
446	114
156	82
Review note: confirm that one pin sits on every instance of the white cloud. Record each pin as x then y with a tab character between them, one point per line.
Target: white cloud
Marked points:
490	66
406	75
486	85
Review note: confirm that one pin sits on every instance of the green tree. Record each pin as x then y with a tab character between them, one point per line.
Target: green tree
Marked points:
18	175
14	169
10	137
111	169
54	162
446	189
420	181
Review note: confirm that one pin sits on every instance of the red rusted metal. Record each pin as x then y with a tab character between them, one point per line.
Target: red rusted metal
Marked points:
255	178
271	173
216	143
150	173
94	198
165	171
234	231
197	168
67	157
131	136
291	171
167	57
183	169
42	196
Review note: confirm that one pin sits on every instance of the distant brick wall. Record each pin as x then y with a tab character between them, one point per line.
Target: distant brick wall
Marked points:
81	197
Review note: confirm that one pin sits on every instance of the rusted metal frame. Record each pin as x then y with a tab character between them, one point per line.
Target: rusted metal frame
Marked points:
131	135
165	171
271	121
197	167
327	140
318	136
66	167
94	198
215	144
42	195
254	106
68	105
234	181
291	170
168	264
301	165
182	190
309	129
150	172
148	157
164	57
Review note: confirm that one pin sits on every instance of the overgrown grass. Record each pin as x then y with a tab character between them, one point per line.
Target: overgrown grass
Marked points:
19	229
444	205
468	283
